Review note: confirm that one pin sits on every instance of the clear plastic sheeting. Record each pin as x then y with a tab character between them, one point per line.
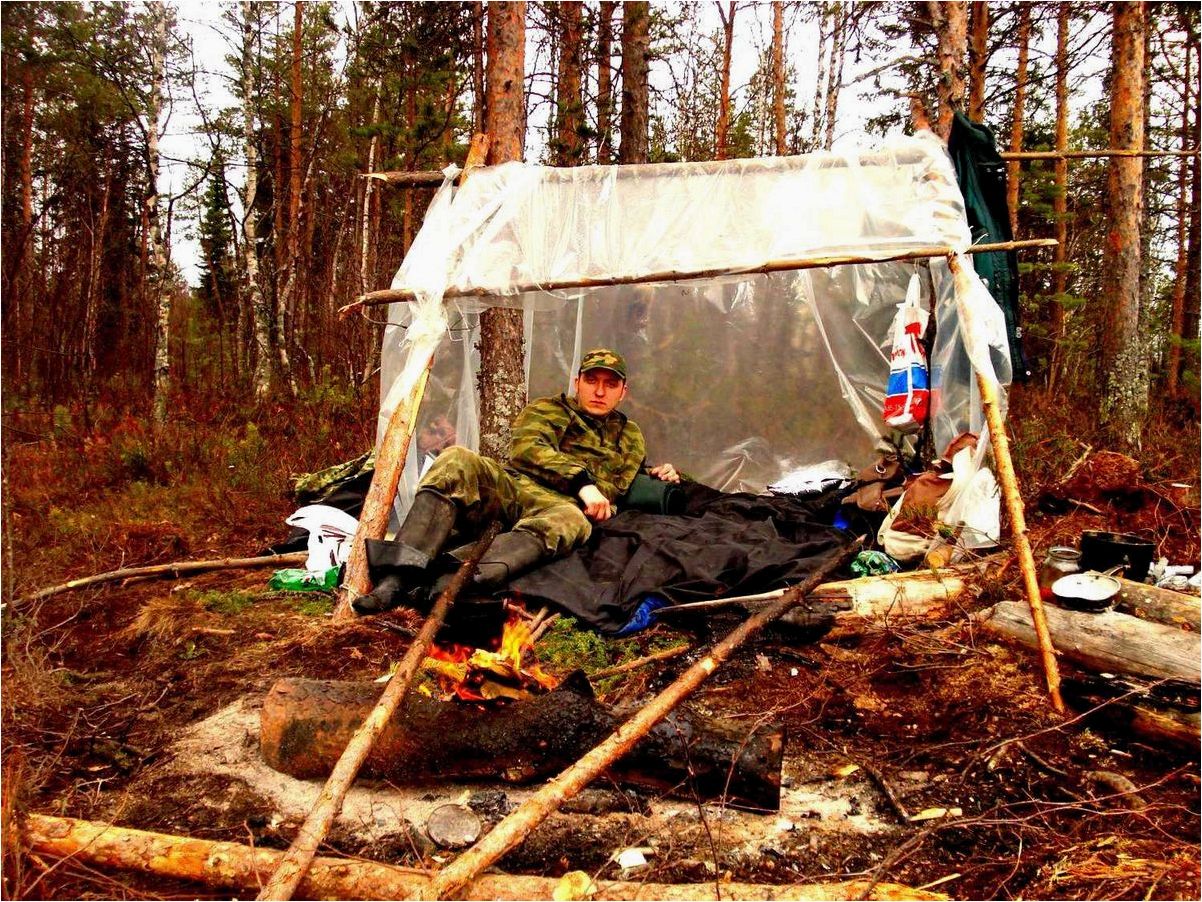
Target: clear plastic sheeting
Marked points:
739	377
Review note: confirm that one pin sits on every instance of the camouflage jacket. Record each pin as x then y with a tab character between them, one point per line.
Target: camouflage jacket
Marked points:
558	444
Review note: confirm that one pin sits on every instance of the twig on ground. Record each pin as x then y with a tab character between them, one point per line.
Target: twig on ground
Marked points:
894	802
538	631
173	570
664	655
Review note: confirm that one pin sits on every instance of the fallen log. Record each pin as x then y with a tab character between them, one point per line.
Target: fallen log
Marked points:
1160	605
1164	711
305	725
1105	642
236	866
900	596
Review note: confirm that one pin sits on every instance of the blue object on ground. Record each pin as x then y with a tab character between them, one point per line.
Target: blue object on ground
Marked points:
644	615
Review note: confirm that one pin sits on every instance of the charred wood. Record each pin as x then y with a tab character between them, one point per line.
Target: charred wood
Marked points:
306	723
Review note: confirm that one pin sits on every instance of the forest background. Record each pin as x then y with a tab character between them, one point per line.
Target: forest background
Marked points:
119	374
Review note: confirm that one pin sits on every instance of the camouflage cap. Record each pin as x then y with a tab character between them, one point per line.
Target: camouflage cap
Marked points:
604	359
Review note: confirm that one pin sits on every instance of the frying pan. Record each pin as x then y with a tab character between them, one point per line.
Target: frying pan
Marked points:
1089	591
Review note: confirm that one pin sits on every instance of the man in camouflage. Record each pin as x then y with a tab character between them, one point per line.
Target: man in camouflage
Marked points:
570	460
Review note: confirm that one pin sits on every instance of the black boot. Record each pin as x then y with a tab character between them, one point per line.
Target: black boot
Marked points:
511	554
398	569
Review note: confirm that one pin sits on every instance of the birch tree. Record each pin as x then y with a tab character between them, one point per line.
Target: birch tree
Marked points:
257	300
778	78
158	277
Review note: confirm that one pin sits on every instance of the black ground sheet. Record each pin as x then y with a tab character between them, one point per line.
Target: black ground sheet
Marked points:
724	544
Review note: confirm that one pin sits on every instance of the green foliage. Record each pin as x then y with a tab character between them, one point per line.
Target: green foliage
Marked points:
314	604
218	274
230	603
566	647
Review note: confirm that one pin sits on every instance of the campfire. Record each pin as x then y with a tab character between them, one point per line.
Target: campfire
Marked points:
507	670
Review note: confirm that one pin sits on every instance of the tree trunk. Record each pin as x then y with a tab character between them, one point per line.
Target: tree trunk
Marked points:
1193	275
159	277
569	143
92	297
978	59
778	77
838	52
1014	168
1122	406
21	302
822	84
1180	272
1060	197
635	86
256	299
502	376
367	214
294	134
605	91
950	22
480	107
722	133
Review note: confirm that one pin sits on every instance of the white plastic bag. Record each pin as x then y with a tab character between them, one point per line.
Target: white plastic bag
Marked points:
908	396
330	534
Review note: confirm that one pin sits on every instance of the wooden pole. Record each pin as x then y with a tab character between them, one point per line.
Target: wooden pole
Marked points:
389	296
300	854
236	866
173	570
377	505
452	879
1018	521
390	463
1091	154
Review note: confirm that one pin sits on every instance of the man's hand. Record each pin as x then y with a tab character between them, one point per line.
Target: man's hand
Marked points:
596	506
665	473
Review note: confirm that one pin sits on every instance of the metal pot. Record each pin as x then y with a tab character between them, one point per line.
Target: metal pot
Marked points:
1102	550
1089	591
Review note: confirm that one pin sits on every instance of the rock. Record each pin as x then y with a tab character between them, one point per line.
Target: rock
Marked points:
454	826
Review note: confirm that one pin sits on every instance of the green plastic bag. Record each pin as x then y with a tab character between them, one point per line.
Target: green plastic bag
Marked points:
304	580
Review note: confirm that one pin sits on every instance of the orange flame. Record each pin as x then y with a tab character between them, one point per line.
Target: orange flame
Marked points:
477	674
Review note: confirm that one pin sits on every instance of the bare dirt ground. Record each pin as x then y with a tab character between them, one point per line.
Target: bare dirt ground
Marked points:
135	704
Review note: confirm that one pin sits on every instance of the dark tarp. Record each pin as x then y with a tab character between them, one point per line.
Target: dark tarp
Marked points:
981	173
724	544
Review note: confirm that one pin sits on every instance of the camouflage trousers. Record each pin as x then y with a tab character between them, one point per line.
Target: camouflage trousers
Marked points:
484	490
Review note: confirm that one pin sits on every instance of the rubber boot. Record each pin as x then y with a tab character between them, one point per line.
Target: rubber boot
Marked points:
511	554
399	569
476	618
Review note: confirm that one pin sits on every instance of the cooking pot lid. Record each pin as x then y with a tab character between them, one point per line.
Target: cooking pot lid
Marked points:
1090	586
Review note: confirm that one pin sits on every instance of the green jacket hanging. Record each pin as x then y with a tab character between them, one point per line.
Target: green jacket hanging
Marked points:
982	176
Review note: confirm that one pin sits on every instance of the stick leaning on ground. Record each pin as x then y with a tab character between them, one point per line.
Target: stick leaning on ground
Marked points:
177	569
300	854
451	880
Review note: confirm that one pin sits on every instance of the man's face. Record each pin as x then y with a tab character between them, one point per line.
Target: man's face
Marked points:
600	391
